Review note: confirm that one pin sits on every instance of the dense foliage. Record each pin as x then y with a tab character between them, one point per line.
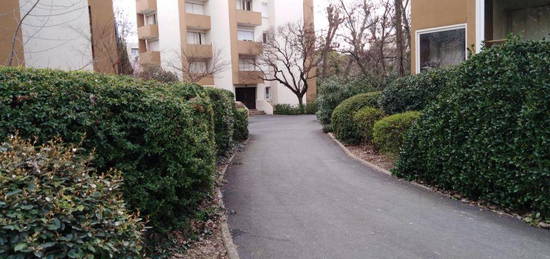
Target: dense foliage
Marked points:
342	118
333	91
160	135
55	206
414	92
364	120
287	109
488	137
388	133
241	124
224	118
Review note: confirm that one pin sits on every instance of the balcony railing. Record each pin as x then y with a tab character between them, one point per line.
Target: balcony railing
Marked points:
150	58
198	22
250	78
249	48
146	6
148	32
198	51
249	18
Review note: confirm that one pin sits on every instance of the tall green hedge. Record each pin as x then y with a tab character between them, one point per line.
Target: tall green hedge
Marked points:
223	102
414	92
160	135
388	133
488	137
241	124
342	118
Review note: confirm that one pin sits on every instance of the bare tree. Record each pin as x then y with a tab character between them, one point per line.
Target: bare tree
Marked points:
195	69
290	57
334	21
400	45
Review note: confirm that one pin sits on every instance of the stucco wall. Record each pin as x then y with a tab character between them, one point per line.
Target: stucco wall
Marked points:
8	22
168	17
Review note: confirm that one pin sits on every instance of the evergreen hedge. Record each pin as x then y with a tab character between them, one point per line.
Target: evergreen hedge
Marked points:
342	118
223	102
388	133
364	120
241	124
160	135
488	137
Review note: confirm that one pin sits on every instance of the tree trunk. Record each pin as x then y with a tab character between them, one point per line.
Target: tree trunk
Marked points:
398	17
300	101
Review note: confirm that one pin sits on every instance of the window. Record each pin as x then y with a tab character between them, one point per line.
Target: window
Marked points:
440	47
198	67
246	34
152	45
150	19
197	38
247	64
268	93
194	8
245	5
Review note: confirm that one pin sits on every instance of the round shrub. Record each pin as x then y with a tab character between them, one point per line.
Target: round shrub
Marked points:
342	117
224	119
414	92
55	206
334	90
364	120
241	124
388	133
160	135
488	136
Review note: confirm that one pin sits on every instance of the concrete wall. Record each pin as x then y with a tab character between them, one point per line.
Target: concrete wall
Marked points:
8	22
168	17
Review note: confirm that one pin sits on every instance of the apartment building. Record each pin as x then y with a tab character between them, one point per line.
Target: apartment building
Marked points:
230	30
444	30
60	34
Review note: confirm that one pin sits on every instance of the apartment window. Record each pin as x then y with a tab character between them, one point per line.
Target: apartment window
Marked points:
198	67
198	38
247	64
268	93
194	8
150	19
152	45
440	47
246	34
245	5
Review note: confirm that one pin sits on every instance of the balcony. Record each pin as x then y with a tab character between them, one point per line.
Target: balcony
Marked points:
249	48
250	78
149	58
196	51
249	18
209	80
146	6
148	32
198	22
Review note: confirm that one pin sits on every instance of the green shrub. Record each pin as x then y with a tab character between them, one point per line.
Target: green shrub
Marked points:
160	135
54	206
311	107
364	120
287	109
224	118
388	133
342	117
488	136
414	92
241	124
333	91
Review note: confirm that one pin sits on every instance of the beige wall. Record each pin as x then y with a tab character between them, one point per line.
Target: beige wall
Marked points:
103	36
8	23
437	13
309	20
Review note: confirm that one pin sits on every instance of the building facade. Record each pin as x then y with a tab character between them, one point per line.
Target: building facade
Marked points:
443	31
228	30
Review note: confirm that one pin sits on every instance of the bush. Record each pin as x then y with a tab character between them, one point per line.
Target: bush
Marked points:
333	91
364	120
55	206
342	117
388	133
241	124
414	92
158	74
160	135
311	107
224	118
287	109
487	137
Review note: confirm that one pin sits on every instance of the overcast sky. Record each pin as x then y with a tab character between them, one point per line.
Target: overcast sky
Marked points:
129	8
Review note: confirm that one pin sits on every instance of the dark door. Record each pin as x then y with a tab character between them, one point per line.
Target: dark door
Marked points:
247	95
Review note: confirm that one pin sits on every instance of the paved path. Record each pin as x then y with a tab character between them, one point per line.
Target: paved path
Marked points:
297	195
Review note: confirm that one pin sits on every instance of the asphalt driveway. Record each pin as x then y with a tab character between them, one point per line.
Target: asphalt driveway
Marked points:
296	194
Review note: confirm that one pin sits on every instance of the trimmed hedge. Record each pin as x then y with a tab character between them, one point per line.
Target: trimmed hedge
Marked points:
224	118
388	133
241	124
364	120
414	92
488	138
333	91
54	206
160	135
287	109
342	118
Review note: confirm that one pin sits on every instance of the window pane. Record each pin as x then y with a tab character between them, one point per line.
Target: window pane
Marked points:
442	49
246	35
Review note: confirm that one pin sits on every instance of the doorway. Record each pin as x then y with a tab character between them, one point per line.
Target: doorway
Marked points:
246	95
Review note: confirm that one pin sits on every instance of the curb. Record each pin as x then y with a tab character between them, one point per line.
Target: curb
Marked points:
371	165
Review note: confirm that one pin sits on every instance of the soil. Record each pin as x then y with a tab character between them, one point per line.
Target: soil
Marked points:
369	154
